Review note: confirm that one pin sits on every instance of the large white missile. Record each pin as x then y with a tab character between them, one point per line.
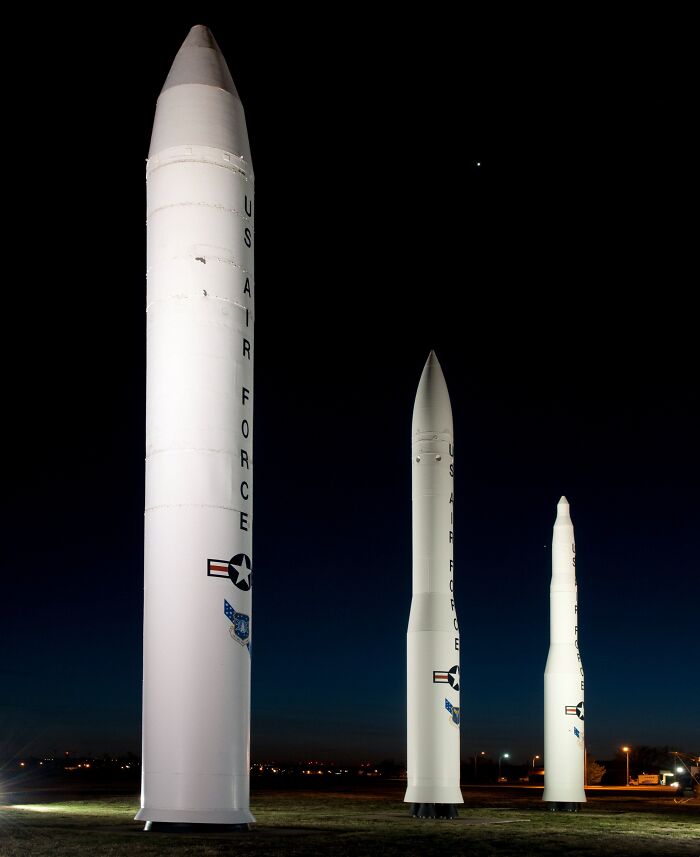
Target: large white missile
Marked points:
199	453
564	745
433	757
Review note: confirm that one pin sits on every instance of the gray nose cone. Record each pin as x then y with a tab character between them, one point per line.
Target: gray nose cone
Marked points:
563	512
199	60
432	411
199	105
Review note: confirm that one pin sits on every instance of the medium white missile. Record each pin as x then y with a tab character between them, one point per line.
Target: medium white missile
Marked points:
199	457
433	714
564	746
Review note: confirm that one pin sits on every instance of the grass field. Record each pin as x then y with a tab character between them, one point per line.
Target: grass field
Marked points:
359	822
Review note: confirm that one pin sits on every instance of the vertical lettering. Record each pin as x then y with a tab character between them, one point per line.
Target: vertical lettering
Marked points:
457	644
244	459
244	494
246	349
246	288
244	521
248	211
248	239
245	428
451	534
247	317
245	395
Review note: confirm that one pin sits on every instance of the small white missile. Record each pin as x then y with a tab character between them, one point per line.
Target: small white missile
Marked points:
564	745
433	713
199	456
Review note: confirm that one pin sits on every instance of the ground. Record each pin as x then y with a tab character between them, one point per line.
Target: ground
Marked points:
359	819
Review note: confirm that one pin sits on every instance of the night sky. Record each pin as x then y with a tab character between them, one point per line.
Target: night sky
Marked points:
522	204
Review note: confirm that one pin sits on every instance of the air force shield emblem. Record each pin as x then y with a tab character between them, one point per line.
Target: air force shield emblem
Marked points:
240	630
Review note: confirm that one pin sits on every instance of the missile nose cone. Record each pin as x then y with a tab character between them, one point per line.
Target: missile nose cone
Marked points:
563	513
432	411
199	104
199	60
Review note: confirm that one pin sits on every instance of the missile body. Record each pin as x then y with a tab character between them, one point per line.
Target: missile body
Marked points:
564	745
433	708
199	457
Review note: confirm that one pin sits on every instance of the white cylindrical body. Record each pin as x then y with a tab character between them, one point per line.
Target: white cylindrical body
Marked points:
199	448
433	707
564	743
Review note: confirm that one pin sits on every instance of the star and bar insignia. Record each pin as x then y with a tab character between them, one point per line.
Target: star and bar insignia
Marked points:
450	677
239	569
575	709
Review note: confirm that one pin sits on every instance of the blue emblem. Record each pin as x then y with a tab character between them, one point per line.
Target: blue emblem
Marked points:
576	732
240	631
453	710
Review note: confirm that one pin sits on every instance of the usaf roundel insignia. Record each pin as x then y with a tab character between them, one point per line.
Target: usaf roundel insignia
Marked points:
240	571
453	678
450	677
575	709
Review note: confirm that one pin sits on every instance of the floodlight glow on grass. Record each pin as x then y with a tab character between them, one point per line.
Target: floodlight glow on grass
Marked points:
39	807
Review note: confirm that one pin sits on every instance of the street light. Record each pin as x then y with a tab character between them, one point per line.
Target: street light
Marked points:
533	761
476	756
626	750
503	756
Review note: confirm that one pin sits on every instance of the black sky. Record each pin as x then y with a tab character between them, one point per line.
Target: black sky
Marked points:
556	282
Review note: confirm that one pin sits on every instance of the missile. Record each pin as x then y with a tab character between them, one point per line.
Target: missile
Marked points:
199	454
433	709
564	744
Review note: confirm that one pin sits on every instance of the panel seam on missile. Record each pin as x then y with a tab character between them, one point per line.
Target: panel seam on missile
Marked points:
191	258
199	296
200	506
201	205
227	165
191	449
